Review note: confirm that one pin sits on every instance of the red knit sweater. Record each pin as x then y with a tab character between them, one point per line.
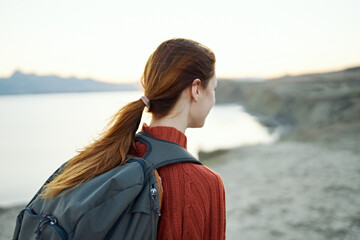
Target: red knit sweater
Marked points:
193	205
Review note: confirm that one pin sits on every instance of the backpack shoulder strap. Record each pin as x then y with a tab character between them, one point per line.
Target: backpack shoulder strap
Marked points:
161	153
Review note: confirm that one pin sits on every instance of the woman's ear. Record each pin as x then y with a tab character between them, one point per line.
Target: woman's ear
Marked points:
195	89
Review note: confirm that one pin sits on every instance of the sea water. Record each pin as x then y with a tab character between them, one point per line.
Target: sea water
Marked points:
39	132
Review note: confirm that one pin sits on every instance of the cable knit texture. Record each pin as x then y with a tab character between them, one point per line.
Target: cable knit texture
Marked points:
193	205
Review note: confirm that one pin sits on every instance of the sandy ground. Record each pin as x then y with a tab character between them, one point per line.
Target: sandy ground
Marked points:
286	190
292	190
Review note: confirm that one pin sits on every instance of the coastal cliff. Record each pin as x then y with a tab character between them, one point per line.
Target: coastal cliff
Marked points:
320	106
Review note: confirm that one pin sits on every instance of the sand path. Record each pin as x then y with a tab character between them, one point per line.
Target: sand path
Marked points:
291	190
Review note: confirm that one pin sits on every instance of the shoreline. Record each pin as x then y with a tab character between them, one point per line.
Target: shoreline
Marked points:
8	220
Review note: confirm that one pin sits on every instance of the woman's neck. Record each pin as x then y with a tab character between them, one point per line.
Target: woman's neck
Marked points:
177	118
167	122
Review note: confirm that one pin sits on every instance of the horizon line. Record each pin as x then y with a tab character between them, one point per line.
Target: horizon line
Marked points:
224	76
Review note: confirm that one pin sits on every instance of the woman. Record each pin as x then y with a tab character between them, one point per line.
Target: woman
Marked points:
179	84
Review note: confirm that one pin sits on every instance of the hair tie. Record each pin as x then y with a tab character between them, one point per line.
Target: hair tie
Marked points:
146	101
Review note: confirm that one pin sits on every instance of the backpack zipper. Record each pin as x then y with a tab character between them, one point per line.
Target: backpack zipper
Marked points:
153	194
156	212
48	220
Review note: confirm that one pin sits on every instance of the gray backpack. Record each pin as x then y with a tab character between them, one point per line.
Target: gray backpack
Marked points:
122	203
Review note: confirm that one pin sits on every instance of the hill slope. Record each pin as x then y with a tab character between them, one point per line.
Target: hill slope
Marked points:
307	106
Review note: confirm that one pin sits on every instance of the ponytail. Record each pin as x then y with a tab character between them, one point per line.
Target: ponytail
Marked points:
105	153
168	71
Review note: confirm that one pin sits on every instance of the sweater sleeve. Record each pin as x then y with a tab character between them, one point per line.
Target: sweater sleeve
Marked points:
194	203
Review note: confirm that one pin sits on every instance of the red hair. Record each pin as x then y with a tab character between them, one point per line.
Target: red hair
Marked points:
169	70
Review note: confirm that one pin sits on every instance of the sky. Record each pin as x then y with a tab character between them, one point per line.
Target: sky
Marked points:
110	40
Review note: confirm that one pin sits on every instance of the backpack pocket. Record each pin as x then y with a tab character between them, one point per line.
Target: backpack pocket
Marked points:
34	226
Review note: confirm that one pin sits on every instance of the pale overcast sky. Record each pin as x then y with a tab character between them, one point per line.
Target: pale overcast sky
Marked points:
110	40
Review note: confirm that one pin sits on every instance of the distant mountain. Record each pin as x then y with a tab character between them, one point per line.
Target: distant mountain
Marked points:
20	83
